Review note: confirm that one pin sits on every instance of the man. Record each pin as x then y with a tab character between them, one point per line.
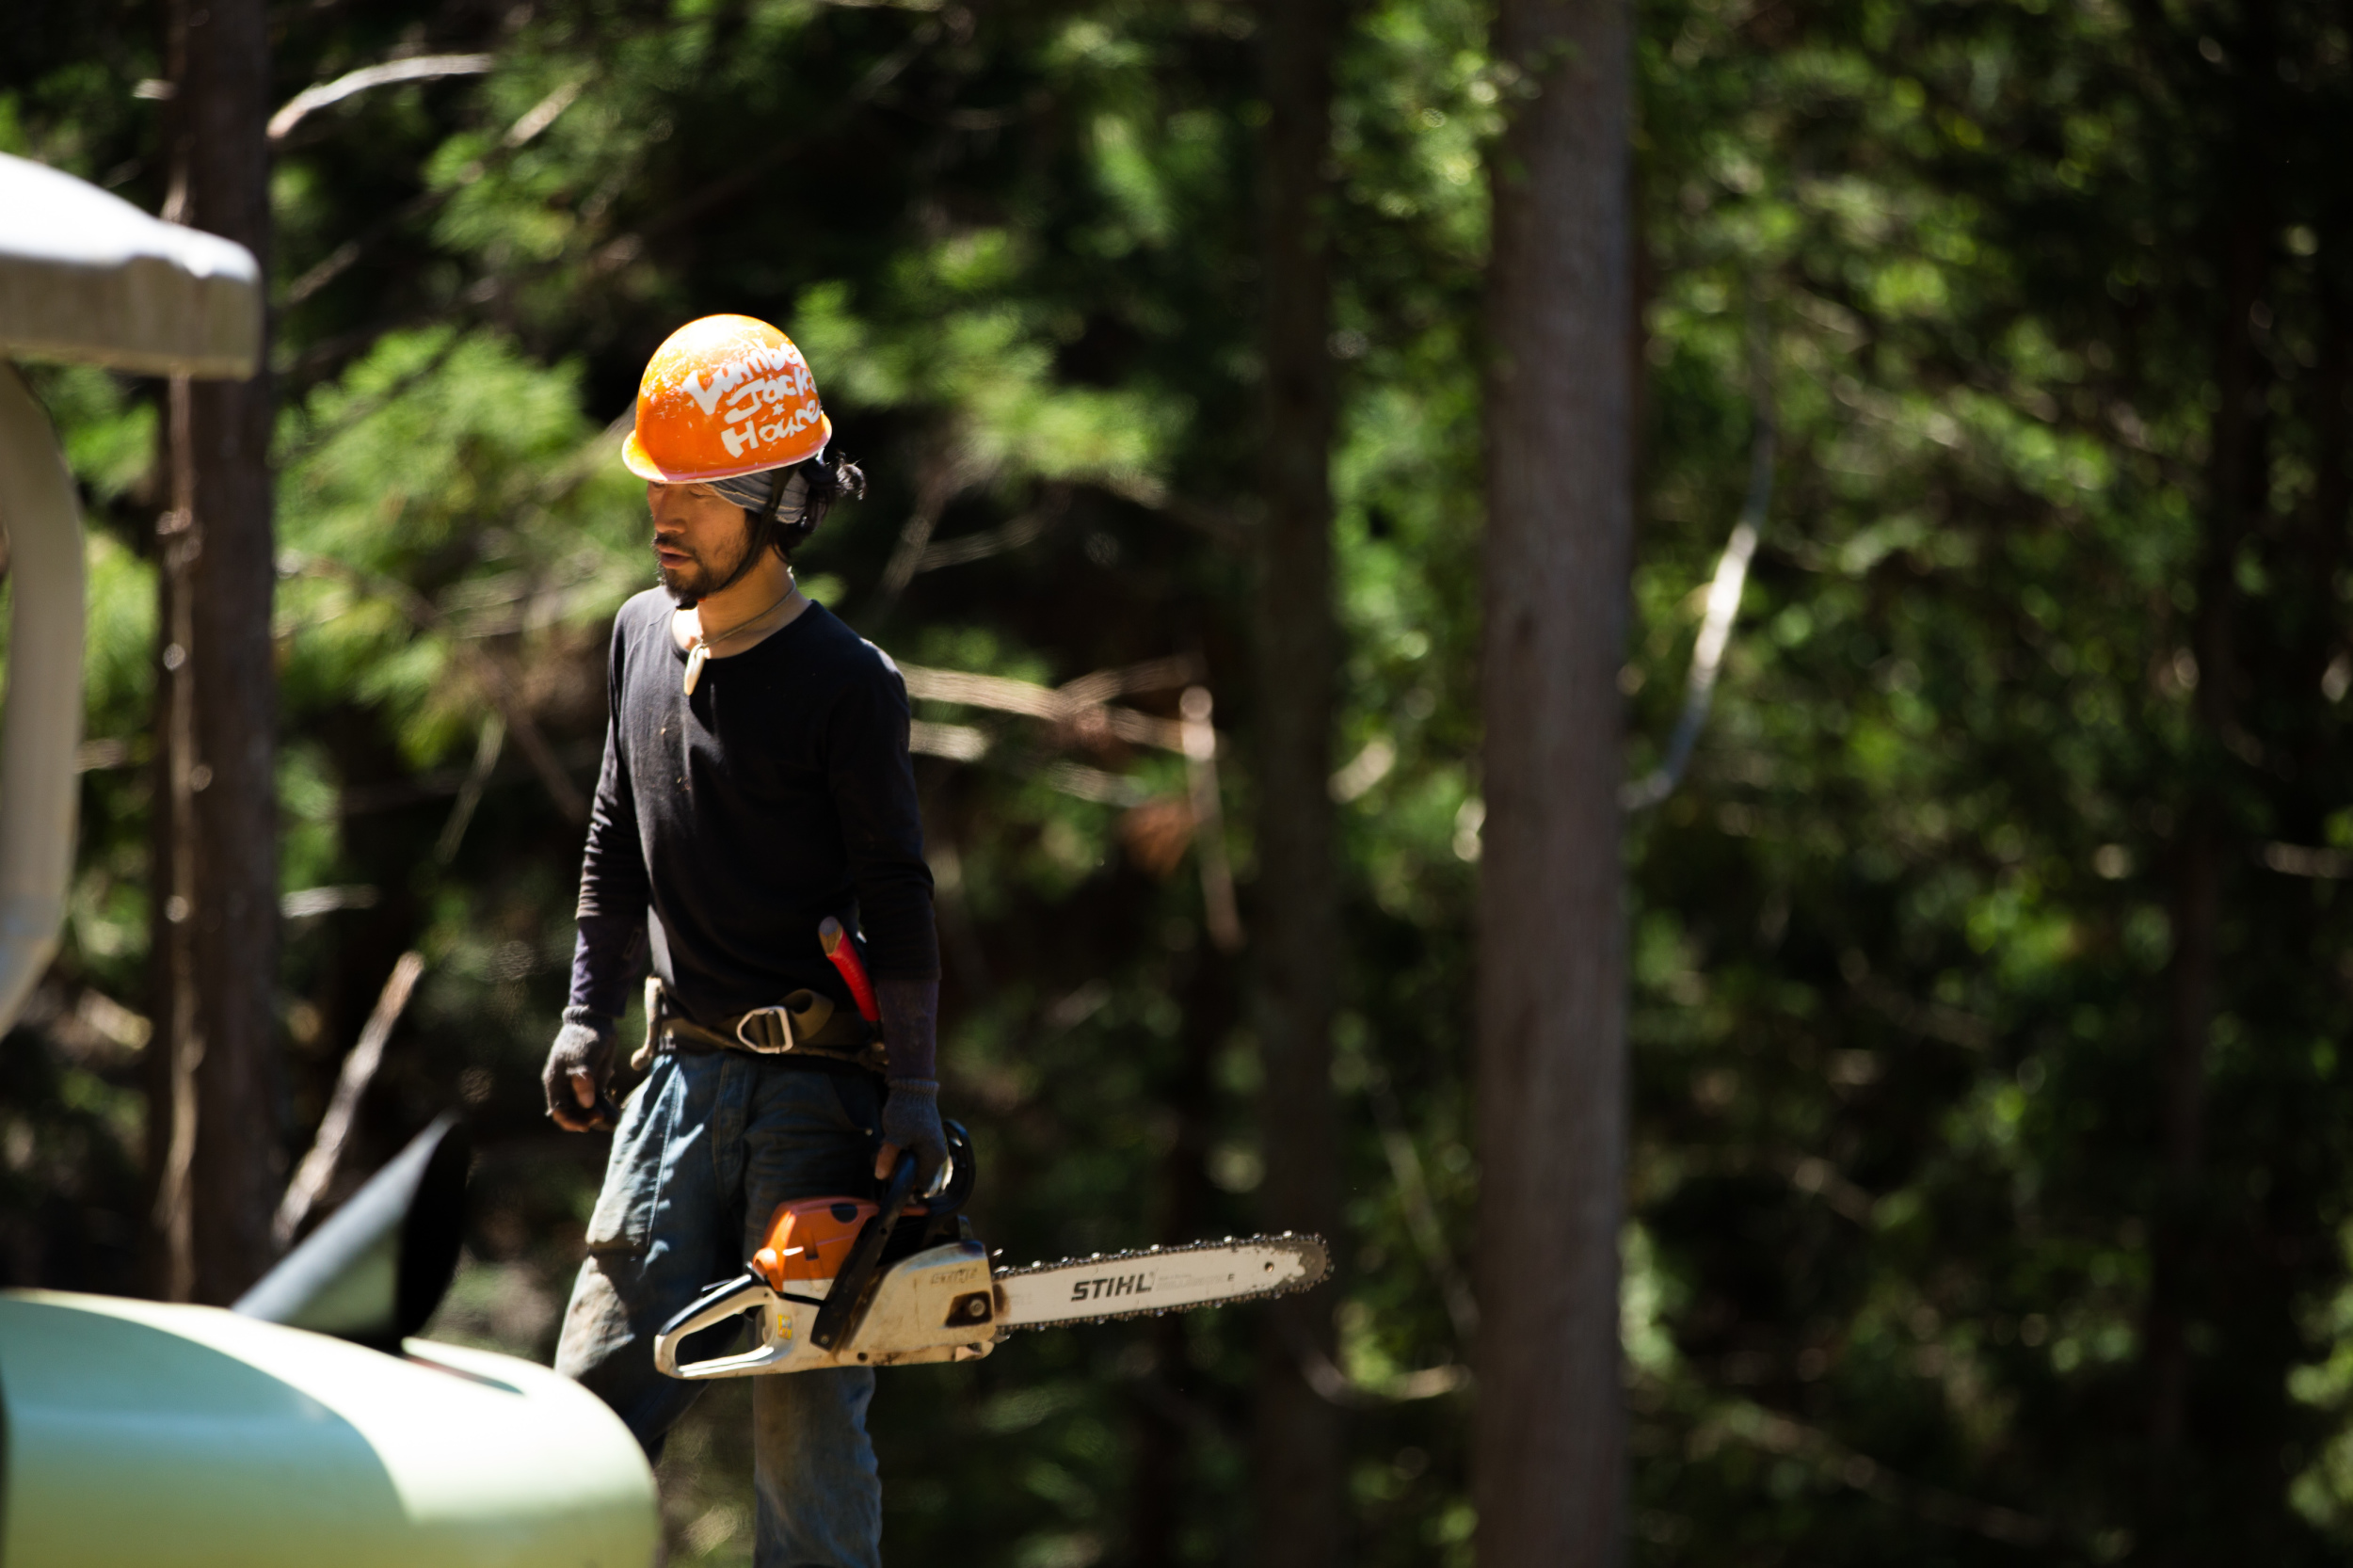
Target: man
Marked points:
756	781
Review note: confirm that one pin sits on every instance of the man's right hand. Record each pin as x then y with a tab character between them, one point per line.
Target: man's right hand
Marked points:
579	1063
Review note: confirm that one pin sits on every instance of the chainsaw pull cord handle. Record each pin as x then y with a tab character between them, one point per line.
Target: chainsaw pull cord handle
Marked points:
846	1306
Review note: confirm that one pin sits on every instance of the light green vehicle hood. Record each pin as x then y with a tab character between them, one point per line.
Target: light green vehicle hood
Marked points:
139	1434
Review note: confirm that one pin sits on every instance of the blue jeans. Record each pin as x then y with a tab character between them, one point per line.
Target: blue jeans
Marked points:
707	1147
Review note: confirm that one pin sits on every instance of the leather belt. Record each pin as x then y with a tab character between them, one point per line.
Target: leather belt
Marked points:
807	1023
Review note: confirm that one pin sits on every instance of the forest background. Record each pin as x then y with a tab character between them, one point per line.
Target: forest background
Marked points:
1990	1179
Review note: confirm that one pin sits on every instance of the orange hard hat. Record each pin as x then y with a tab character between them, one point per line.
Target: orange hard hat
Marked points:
722	396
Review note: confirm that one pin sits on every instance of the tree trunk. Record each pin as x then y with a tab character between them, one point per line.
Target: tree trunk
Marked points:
1547	1448
222	1034
2239	497
1298	1460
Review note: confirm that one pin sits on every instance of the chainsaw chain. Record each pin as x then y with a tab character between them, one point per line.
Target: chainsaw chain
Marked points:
1303	1246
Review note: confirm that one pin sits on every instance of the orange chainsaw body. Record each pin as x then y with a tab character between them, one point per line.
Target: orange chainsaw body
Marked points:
807	1238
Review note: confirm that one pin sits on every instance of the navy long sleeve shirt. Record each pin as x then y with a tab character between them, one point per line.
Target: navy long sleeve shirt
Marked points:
730	822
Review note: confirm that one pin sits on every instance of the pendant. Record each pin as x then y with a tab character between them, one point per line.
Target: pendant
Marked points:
695	662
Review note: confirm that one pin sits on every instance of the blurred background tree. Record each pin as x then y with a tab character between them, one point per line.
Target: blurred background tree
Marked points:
1988	1184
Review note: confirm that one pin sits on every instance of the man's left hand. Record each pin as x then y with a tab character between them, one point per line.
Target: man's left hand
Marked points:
910	1122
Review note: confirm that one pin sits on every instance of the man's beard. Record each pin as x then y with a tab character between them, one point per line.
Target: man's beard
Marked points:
699	579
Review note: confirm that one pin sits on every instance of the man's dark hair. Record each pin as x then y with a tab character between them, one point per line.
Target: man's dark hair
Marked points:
829	478
784	505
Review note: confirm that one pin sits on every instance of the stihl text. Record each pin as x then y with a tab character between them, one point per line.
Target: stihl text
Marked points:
1096	1289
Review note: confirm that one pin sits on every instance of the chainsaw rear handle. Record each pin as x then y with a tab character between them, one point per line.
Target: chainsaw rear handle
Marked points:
725	1300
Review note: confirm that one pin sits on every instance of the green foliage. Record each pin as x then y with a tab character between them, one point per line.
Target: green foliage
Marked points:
444	490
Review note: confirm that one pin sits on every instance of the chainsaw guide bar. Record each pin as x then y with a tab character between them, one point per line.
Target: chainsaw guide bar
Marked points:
1109	1286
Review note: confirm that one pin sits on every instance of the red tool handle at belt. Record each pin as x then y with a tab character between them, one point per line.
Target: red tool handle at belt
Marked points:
845	955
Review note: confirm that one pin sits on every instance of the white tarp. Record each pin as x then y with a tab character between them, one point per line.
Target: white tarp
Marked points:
86	276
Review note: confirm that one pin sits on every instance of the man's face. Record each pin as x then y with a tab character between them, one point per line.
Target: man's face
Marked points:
699	538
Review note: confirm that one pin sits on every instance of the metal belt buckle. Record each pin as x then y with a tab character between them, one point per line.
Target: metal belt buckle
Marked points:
784	1026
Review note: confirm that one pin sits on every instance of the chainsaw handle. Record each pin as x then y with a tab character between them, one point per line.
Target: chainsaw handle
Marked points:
839	1319
959	1175
725	1300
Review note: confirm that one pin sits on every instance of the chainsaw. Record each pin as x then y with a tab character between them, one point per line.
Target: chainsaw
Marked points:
852	1282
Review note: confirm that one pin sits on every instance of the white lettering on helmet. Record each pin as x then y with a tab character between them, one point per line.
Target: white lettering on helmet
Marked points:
803	417
753	394
753	433
780	366
770	390
723	380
